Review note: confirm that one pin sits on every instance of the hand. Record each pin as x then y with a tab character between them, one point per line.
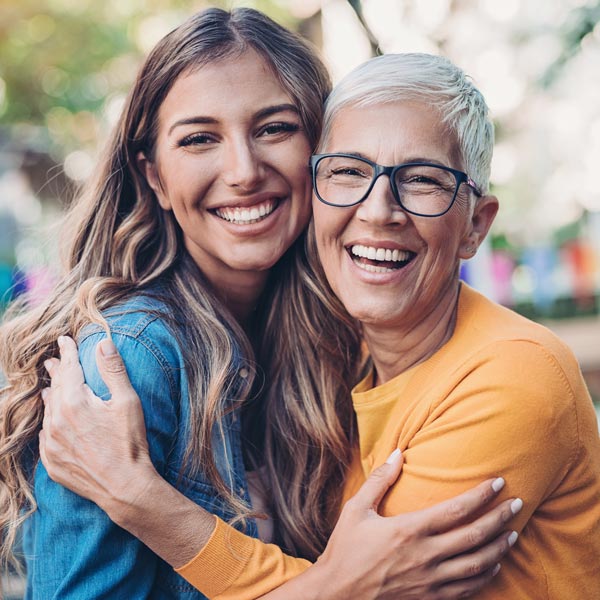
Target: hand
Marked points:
423	555
83	437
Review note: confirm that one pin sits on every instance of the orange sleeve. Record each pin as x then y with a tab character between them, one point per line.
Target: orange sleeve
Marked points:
234	566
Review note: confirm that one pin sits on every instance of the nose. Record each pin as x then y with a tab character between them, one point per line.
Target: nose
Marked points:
380	206
242	165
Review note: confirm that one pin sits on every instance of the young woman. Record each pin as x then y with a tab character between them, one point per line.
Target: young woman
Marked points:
187	250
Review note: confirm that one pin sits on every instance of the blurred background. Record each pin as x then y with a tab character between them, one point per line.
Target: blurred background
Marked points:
66	65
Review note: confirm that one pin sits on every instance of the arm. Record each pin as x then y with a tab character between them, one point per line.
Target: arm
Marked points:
178	530
79	551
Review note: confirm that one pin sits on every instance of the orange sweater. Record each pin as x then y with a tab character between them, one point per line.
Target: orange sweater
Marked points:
503	397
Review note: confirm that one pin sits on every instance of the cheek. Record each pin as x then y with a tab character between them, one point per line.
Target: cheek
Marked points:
329	221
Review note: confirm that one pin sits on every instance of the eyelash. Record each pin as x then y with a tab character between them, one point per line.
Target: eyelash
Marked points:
281	127
195	138
202	138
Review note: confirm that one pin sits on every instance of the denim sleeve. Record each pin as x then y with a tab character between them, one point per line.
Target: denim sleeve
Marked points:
78	552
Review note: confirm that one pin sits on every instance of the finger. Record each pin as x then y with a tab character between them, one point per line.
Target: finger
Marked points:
51	365
473	564
52	368
378	483
113	371
458	510
47	407
46	395
482	530
42	447
467	587
70	370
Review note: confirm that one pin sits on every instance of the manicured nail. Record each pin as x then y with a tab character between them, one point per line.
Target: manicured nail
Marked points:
498	484
512	538
45	392
61	341
394	457
516	506
48	366
496	569
108	348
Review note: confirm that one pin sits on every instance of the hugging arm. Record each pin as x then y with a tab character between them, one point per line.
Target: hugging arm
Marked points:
77	551
368	556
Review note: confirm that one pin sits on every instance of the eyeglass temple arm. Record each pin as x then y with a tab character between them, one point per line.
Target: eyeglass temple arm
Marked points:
473	186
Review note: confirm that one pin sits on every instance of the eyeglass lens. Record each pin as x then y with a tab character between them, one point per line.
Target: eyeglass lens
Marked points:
426	190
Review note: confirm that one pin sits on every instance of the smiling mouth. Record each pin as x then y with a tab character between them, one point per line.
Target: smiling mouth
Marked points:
246	215
379	260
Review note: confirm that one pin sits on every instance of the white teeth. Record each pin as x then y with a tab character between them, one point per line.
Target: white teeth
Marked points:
243	216
381	254
373	268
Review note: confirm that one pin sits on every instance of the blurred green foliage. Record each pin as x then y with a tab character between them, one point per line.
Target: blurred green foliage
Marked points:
61	60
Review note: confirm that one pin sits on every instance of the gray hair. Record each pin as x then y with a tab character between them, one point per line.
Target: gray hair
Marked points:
426	78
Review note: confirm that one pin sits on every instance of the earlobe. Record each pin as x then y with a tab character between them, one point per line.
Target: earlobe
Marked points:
150	172
482	218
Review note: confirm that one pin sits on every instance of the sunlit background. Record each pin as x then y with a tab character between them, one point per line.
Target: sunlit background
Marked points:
66	65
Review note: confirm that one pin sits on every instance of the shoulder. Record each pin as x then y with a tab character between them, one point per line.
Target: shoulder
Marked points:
501	364
494	332
142	323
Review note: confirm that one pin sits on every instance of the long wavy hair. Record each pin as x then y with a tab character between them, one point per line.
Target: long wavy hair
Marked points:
119	242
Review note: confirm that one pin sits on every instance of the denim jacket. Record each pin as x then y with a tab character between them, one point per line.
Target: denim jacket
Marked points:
73	550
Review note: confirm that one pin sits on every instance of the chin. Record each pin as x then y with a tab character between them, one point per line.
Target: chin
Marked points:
372	315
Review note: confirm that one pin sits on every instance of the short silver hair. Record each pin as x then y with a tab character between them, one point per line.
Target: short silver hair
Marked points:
430	79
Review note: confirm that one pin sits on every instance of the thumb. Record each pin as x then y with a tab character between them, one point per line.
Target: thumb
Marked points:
112	370
379	481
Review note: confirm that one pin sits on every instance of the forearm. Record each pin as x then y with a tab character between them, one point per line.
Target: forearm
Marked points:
165	520
316	583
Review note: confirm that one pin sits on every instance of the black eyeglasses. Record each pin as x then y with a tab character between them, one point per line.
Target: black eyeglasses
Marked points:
420	188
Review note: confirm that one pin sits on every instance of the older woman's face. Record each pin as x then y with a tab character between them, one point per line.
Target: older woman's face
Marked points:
416	258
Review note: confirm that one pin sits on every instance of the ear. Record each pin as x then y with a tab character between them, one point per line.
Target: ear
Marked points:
484	213
150	172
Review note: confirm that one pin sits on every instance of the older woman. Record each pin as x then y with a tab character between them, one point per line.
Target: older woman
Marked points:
464	387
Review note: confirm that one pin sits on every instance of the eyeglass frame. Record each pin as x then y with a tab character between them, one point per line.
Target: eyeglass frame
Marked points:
459	176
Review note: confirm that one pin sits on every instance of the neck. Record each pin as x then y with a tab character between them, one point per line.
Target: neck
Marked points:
241	293
395	349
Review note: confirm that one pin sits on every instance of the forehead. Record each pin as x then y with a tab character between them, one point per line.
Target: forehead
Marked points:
243	82
394	132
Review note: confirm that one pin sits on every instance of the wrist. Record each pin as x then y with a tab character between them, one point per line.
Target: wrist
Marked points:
129	504
323	583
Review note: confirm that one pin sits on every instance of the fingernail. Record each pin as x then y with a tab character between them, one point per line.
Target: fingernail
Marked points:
108	348
498	484
496	569
48	366
61	341
45	393
394	457
512	538
516	506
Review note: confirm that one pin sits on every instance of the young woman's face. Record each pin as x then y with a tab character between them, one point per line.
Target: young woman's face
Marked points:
413	264
231	163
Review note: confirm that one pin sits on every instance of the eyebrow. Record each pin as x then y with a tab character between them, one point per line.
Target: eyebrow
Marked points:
412	159
261	114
